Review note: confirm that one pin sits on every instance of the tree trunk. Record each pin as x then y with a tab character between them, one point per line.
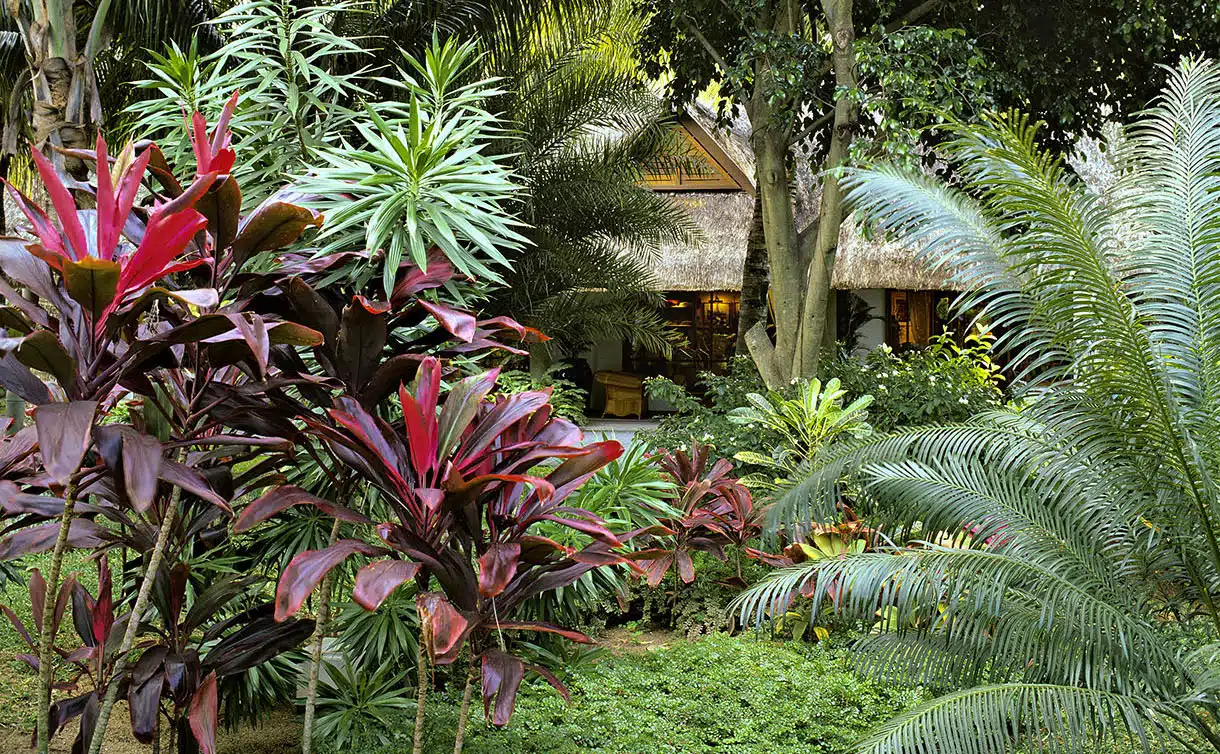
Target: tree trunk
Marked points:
818	292
802	264
315	653
421	695
755	279
464	715
46	638
62	77
133	625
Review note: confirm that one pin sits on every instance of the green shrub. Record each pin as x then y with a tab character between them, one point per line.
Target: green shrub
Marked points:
719	695
706	420
567	398
942	383
702	606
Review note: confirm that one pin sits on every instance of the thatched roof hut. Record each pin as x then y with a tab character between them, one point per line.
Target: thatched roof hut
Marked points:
715	262
724	218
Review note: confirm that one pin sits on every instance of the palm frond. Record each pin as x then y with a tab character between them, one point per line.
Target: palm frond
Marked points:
990	719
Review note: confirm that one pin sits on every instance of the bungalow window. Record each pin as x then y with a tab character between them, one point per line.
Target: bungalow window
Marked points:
707	320
913	317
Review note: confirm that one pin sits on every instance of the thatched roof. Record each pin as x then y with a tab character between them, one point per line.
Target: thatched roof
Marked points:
715	263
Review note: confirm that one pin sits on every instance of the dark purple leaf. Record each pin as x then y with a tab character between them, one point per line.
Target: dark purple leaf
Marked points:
576	471
497	567
443	627
548	628
362	336
506	413
307	570
283	498
22	631
392	372
502	674
203	715
144	702
461	324
313	310
255	644
254	331
35	539
18	378
272	225
67	710
221	205
191	481
41	350
686	568
461	405
63	436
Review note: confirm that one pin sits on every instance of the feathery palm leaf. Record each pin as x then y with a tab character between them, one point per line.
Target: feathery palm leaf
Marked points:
1040	542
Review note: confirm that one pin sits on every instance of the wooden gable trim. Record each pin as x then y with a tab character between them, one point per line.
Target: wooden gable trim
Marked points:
728	175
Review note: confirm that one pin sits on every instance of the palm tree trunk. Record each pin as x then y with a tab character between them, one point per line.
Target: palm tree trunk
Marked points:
133	625
755	280
46	638
315	652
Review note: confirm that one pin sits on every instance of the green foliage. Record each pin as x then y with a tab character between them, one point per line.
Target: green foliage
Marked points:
356	706
709	423
295	79
628	493
942	383
701	607
1091	512
719	694
567	398
806	423
249	697
382	638
421	175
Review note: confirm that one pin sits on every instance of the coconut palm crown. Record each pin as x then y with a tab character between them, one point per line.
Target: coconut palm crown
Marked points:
1055	553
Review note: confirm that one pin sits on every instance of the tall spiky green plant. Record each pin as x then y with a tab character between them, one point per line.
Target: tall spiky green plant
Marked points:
1063	544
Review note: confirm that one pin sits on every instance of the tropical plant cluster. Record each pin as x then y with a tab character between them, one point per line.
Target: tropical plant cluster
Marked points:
943	383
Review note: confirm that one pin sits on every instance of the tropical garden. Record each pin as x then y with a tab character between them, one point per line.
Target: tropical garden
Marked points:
292	458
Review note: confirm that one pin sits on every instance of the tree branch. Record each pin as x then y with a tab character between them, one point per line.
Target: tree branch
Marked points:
708	46
812	128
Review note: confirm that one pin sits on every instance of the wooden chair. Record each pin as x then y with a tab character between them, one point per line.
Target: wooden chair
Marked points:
624	394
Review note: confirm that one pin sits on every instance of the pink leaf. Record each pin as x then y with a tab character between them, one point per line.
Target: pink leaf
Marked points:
203	714
379	579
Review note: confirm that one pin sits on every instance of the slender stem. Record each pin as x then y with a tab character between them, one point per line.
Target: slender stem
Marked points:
46	639
133	623
421	696
319	633
464	715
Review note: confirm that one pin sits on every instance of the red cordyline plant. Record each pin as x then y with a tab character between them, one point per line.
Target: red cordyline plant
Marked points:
462	473
370	348
716	510
108	318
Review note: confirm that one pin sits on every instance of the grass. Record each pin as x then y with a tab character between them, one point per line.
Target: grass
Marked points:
718	695
19	687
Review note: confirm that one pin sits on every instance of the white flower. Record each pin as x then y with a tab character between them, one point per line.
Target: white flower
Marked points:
963	401
932	378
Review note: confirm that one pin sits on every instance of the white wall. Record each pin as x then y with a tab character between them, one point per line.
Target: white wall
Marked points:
872	334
